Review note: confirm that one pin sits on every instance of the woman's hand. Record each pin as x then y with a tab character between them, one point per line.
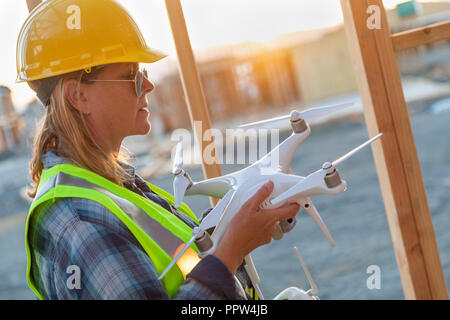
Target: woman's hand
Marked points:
251	227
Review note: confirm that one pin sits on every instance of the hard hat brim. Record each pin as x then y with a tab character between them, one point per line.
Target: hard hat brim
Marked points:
147	55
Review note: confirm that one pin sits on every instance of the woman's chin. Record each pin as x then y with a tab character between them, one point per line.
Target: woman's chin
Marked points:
147	128
143	128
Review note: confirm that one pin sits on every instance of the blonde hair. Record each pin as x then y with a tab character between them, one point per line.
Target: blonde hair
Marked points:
64	129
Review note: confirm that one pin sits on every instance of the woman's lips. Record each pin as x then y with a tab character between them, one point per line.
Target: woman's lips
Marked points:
144	107
144	110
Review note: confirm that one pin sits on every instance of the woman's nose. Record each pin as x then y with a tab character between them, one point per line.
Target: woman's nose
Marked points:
147	86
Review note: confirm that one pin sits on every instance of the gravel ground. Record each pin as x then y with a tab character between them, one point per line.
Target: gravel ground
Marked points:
356	218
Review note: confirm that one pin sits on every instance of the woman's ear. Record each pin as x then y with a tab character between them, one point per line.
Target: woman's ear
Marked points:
74	93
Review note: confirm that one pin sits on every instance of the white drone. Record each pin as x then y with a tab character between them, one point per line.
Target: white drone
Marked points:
236	188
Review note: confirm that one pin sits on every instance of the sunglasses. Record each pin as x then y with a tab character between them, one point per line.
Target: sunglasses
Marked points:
138	81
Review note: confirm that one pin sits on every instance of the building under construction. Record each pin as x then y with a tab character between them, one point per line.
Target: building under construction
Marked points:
9	122
294	69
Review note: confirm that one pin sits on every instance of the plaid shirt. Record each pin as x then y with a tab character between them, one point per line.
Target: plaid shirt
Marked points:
80	233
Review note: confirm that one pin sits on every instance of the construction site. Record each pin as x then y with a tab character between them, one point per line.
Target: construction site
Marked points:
391	61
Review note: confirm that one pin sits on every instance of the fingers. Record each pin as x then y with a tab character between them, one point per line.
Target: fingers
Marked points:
283	213
255	201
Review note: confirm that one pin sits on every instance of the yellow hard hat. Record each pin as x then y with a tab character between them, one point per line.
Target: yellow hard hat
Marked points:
61	36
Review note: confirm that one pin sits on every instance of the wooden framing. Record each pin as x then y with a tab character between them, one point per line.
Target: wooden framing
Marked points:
195	99
385	110
396	160
420	36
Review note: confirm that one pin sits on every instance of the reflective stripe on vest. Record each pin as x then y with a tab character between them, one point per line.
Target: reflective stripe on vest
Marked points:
159	232
163	237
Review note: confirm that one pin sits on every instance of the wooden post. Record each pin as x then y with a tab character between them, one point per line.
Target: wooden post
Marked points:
198	110
396	159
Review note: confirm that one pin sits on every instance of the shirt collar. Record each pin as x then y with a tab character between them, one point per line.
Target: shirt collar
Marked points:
50	159
130	170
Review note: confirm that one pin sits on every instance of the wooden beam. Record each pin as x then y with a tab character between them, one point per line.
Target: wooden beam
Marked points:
395	156
421	36
32	4
198	110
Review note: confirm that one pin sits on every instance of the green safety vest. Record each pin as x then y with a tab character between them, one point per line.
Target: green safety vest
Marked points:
159	232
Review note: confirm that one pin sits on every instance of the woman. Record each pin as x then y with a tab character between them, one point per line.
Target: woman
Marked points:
95	229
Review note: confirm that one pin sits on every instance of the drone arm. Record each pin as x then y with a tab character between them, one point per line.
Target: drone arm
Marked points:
216	187
209	221
311	185
213	217
282	155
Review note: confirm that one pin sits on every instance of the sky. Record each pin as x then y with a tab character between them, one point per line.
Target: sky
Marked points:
209	22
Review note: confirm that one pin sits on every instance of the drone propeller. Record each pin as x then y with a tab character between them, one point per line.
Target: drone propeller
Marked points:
180	184
178	160
181	181
308	115
211	220
349	154
327	167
